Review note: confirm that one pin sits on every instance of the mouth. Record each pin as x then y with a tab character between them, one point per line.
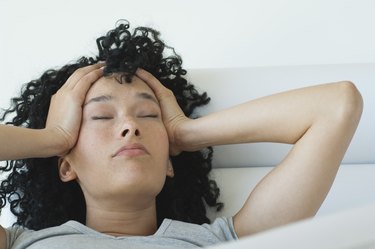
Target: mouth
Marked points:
131	150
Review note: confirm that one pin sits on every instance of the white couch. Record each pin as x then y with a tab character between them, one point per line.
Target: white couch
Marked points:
239	167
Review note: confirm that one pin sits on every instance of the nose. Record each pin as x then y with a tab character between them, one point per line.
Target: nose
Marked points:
129	131
129	128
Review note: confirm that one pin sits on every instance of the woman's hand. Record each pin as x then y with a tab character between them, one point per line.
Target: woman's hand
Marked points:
65	111
173	117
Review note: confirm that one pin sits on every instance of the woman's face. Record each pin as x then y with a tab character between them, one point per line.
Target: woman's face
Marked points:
122	148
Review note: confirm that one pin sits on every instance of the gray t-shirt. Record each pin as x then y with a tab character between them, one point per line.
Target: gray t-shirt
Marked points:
170	234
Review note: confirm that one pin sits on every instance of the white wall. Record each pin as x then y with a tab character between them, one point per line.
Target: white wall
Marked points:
39	34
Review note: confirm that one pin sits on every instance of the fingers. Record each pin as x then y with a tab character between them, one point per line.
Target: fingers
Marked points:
85	82
65	110
80	82
152	82
173	116
86	74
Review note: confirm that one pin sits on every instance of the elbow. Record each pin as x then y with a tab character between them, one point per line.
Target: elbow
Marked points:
349	102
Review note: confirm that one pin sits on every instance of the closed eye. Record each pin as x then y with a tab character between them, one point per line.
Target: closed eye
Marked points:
100	118
150	116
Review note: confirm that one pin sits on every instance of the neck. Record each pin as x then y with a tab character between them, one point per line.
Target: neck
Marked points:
122	220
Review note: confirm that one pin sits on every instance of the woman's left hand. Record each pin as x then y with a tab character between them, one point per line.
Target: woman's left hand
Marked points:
173	117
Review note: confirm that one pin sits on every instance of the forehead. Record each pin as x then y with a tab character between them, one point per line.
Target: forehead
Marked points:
111	85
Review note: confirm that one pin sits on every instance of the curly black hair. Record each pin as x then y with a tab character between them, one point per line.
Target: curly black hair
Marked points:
33	189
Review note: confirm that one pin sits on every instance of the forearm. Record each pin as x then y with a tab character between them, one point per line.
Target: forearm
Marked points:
19	142
297	186
282	118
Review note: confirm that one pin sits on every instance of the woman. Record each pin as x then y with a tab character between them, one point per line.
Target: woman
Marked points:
108	136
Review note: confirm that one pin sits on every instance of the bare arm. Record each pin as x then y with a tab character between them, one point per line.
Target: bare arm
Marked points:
63	121
319	120
26	143
62	128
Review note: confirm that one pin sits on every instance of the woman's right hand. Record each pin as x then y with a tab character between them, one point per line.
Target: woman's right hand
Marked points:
65	111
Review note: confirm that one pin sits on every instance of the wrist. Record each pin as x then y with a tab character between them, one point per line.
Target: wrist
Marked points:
188	137
57	142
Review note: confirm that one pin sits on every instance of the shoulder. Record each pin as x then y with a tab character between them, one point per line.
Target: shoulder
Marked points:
11	234
3	239
221	229
18	236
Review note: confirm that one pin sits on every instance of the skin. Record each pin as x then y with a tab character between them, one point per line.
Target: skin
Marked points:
124	186
319	121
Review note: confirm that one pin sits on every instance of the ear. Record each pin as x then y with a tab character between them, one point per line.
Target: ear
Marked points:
66	171
170	170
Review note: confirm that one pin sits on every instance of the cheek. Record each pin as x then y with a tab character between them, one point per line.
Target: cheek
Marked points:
88	146
159	136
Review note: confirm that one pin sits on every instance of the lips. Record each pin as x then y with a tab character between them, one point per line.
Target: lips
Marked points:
131	150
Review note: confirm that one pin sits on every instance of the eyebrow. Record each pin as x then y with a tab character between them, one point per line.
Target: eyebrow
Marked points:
106	98
102	98
144	95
